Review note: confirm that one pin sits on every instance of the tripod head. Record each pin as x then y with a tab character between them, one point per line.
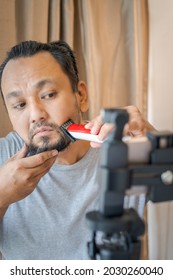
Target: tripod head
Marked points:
117	231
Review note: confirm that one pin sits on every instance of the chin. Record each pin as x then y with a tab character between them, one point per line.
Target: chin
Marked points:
47	145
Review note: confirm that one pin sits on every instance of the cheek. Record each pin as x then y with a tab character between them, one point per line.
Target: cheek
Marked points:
65	110
20	125
23	133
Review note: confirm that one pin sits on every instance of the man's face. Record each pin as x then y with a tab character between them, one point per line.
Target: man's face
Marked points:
39	99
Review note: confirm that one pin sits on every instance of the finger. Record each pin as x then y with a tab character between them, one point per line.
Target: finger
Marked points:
20	154
136	125
40	159
95	125
44	168
131	109
95	145
41	170
126	131
89	124
133	129
105	130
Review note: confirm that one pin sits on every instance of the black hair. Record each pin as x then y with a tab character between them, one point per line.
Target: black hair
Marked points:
60	50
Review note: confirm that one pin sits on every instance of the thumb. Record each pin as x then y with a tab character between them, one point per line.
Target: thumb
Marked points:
21	153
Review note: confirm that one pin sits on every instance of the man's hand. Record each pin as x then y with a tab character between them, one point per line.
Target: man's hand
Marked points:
137	125
20	175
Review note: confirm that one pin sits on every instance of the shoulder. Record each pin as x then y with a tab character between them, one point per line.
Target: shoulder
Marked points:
9	146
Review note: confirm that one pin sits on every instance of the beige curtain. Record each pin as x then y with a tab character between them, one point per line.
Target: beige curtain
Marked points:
110	38
7	23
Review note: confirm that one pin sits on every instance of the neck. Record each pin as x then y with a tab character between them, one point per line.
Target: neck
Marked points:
73	153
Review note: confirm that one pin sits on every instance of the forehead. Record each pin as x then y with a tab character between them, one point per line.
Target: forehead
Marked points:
30	69
35	62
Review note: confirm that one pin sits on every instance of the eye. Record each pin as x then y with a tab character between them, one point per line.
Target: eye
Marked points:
19	106
48	95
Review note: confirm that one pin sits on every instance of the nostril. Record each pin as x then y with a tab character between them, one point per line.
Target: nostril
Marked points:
40	119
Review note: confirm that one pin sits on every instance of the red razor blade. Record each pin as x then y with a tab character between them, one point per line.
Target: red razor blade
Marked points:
79	131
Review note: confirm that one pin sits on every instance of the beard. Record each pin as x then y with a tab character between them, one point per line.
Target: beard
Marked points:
60	142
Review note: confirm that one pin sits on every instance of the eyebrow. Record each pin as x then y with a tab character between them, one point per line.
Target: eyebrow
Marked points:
40	84
13	94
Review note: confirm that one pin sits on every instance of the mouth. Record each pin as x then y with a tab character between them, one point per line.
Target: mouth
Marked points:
42	131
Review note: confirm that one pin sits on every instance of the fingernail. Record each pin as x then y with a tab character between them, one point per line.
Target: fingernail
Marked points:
93	130
87	125
54	153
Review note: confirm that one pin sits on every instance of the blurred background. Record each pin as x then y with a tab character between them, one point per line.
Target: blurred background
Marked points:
124	52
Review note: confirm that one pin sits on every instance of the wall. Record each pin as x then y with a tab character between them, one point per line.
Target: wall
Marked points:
160	113
160	107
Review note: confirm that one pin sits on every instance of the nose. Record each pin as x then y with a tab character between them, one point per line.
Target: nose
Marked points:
37	112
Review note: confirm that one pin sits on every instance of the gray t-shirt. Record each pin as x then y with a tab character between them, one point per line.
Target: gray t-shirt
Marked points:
50	223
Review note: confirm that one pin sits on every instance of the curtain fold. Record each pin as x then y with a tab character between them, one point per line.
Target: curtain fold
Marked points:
54	22
141	41
104	53
32	20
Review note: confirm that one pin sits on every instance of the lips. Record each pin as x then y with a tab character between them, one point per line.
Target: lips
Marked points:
42	131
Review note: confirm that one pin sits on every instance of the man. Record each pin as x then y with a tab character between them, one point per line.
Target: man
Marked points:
47	183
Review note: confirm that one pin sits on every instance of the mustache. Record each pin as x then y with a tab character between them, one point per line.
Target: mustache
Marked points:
60	144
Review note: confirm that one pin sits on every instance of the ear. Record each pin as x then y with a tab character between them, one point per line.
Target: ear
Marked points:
82	96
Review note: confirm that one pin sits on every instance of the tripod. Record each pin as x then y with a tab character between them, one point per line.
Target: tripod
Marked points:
120	229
